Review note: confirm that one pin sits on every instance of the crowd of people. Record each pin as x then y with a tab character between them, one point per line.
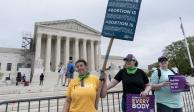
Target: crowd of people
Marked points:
85	87
21	79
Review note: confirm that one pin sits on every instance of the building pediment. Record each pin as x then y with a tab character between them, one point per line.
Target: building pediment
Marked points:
69	25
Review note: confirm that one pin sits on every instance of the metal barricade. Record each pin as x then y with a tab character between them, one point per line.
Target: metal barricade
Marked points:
112	103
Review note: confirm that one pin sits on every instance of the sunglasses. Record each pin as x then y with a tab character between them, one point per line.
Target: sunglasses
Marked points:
129	61
163	60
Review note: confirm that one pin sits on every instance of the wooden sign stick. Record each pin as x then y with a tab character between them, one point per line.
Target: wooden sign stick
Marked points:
102	72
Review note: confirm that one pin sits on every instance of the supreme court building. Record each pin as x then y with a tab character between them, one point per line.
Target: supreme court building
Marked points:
54	42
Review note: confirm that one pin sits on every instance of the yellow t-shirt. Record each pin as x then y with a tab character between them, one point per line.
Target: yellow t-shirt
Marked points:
83	98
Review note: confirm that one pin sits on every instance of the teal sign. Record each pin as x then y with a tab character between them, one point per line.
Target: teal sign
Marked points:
121	19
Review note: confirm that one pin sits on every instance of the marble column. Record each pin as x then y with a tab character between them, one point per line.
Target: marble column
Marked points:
99	54
76	49
58	53
48	53
96	52
66	50
92	55
38	46
84	49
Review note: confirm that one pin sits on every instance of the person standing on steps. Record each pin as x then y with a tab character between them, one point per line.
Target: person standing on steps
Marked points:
61	73
41	79
70	71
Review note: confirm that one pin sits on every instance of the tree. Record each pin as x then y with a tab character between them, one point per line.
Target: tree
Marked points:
150	68
178	56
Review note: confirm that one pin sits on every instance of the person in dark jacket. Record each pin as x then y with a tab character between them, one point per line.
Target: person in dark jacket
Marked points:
18	78
41	78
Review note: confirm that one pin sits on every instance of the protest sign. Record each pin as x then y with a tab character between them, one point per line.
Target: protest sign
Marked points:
121	19
178	83
136	103
120	23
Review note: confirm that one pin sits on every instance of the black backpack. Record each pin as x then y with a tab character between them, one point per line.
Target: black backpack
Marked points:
159	75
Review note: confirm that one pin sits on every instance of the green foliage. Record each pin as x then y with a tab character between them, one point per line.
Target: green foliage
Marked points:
150	68
154	65
178	56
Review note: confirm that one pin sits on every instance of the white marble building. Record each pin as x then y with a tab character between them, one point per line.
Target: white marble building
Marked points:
114	64
55	42
11	60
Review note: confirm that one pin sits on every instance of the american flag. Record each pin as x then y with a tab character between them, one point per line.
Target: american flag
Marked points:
182	26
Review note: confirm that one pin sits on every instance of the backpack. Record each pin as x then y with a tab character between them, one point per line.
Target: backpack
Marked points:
159	76
59	70
71	70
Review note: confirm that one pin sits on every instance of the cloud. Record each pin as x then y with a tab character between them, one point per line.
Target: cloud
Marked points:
158	23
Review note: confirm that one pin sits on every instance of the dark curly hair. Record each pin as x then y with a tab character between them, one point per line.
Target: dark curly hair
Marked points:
81	60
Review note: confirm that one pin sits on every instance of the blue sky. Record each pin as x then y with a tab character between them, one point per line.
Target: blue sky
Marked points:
158	24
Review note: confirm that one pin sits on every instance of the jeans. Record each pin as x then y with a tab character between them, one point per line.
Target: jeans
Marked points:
123	105
164	108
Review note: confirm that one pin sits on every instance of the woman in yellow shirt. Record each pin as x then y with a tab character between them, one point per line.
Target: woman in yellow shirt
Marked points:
81	93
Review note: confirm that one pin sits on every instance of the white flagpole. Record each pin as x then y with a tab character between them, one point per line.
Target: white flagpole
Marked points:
188	51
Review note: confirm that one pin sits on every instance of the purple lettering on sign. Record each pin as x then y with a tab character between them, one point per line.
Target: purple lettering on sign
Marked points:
136	103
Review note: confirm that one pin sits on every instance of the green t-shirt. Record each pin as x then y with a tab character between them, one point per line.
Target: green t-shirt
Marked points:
164	95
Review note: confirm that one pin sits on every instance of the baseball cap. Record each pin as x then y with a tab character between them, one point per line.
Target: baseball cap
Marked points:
129	57
161	58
